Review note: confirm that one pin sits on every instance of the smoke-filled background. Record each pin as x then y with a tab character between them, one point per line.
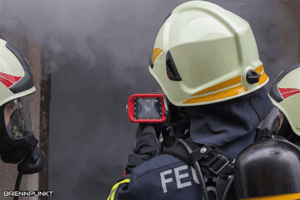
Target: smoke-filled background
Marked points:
97	54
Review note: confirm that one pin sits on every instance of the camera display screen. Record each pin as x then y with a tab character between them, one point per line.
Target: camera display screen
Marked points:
147	108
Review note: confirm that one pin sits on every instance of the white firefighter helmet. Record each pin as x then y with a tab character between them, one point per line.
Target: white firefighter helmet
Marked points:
15	76
285	94
15	124
205	54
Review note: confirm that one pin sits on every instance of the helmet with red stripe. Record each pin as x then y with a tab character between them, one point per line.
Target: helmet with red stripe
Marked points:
16	137
15	76
285	94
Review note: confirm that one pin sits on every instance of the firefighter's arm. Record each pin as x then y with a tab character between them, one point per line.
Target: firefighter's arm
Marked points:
145	146
113	195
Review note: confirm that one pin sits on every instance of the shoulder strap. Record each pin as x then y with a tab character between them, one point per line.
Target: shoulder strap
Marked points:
270	126
178	152
212	160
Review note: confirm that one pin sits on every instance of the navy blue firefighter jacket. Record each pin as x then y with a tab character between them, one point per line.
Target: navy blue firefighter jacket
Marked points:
230	126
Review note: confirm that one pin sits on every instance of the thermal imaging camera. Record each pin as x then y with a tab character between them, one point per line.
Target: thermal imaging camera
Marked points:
146	108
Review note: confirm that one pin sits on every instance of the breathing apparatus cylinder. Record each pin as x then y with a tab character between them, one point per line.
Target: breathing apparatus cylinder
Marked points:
269	169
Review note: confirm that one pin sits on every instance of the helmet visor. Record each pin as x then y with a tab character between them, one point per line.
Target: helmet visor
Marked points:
17	118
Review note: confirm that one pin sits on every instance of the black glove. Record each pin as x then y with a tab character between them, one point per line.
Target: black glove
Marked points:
146	139
145	146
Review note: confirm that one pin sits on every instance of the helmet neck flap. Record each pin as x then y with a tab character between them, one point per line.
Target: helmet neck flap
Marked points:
230	123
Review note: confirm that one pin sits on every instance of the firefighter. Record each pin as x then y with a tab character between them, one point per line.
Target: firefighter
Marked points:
206	61
17	141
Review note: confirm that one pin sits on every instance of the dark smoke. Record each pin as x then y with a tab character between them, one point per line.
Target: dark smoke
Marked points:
97	53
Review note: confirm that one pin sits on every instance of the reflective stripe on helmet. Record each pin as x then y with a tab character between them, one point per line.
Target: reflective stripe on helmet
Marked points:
115	187
220	86
220	95
263	78
259	69
156	53
288	92
8	80
226	84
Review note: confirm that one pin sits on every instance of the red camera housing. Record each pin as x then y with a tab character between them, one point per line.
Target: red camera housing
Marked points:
132	111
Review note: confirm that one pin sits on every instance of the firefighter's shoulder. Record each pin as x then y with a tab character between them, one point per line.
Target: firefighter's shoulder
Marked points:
162	177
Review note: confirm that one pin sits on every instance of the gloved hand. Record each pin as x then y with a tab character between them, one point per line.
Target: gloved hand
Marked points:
146	138
145	146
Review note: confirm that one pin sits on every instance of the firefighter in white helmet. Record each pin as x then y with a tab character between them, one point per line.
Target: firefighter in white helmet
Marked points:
206	61
17	141
285	94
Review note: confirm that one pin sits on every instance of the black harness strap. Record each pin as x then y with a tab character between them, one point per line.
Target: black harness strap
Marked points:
213	162
198	154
